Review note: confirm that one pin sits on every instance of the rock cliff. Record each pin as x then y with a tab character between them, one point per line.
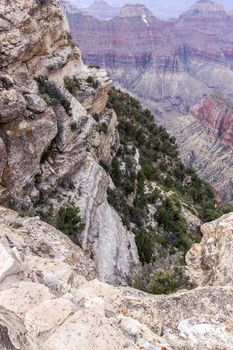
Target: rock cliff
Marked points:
205	140
135	10
61	149
209	263
216	114
48	136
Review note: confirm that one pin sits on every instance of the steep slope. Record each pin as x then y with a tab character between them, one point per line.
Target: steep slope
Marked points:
62	152
169	66
66	152
205	140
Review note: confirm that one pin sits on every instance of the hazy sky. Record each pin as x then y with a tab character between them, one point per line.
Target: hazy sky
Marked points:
164	8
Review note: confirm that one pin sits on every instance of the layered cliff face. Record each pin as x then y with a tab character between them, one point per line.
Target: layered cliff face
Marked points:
136	45
49	138
62	150
205	140
216	114
135	10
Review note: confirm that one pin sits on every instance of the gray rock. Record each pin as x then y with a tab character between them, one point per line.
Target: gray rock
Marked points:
35	103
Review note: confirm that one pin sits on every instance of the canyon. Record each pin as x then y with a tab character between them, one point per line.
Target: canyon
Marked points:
170	66
97	209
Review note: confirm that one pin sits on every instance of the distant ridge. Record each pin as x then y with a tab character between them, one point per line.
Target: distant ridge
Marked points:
135	10
102	10
205	8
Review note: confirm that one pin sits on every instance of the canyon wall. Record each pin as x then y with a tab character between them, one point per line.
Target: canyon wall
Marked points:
171	66
49	140
59	136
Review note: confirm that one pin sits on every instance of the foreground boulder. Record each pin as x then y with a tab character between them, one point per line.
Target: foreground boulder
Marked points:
50	299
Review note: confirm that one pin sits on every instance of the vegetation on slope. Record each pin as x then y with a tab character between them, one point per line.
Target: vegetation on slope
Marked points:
152	190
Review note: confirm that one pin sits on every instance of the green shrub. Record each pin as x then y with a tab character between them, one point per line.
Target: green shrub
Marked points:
73	126
163	282
49	88
72	84
92	82
145	245
43	2
69	220
103	127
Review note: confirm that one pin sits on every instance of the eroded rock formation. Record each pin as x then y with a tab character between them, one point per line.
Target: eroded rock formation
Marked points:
44	142
55	129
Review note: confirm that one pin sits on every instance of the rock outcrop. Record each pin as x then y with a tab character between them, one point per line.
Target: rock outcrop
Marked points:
50	299
48	134
210	262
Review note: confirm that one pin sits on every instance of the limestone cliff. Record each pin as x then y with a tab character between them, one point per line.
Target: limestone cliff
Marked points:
49	137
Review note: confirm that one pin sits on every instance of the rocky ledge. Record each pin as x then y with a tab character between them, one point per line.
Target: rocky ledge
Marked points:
50	298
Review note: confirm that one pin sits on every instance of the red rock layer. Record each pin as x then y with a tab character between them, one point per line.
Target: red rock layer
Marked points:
216	114
142	41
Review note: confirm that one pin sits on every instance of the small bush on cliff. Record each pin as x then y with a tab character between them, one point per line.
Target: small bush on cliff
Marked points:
43	2
69	220
103	127
161	281
92	82
56	96
72	84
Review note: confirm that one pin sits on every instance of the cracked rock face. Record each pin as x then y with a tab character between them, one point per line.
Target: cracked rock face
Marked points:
50	299
210	262
44	142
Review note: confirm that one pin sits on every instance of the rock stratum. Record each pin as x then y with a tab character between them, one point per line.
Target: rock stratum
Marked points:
169	65
205	140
